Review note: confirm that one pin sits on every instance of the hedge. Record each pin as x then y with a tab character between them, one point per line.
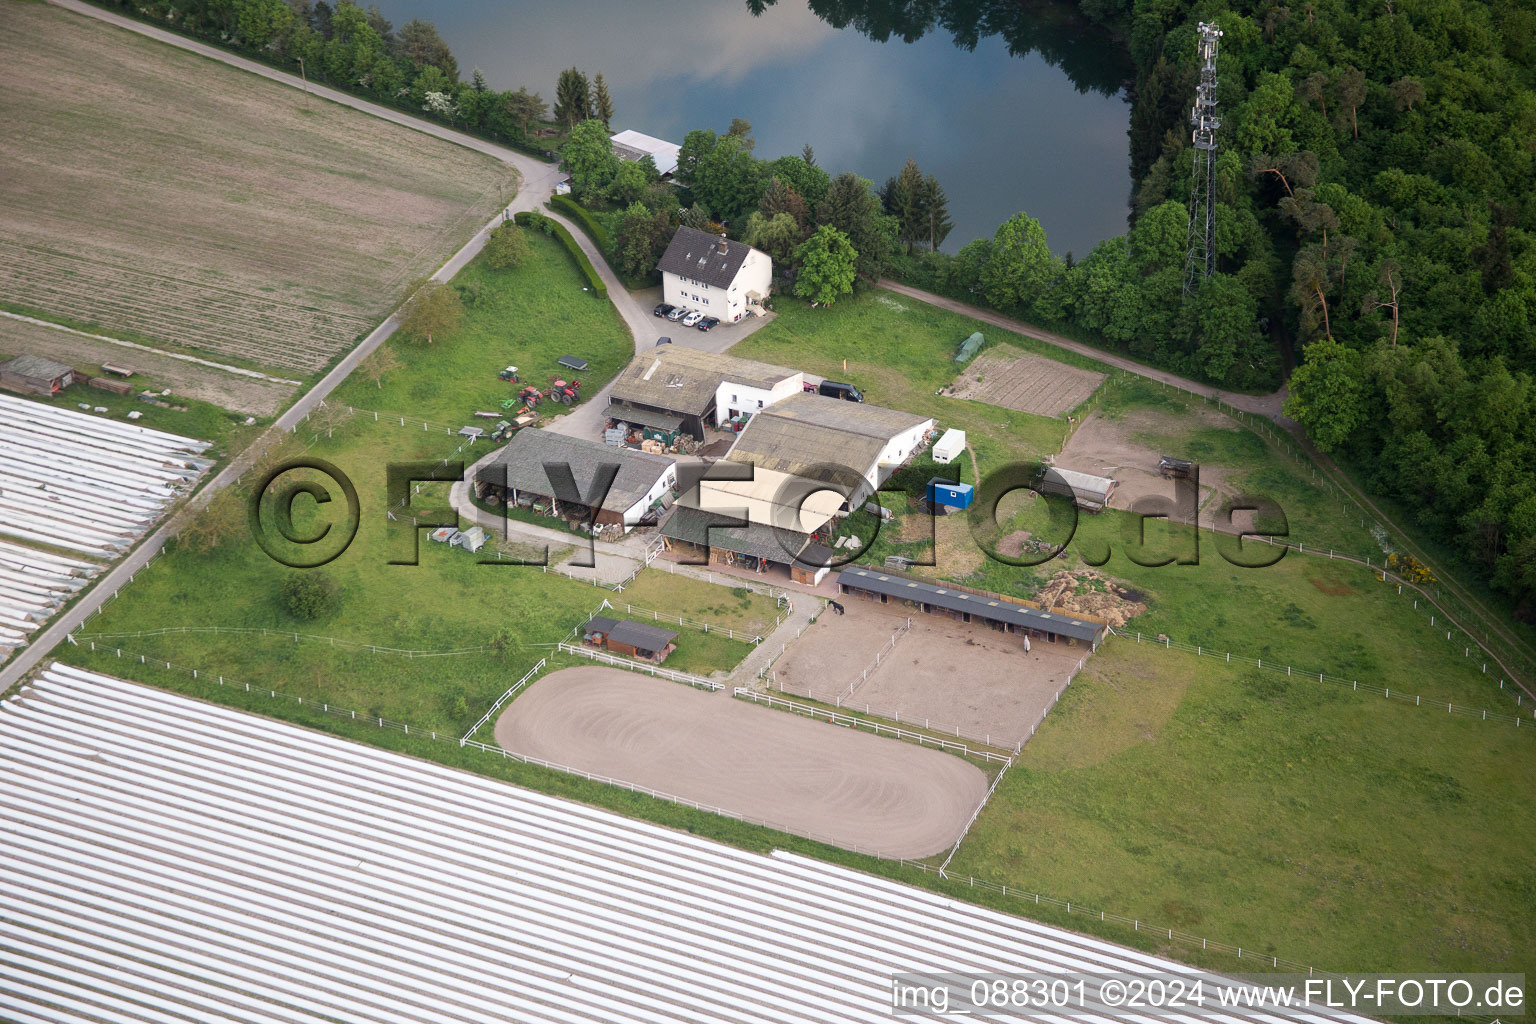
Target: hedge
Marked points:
526	218
589	223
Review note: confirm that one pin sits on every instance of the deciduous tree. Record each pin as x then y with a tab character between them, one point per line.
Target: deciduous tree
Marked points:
507	247
588	155
434	309
827	266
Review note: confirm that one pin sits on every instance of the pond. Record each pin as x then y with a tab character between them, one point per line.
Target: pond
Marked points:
1002	133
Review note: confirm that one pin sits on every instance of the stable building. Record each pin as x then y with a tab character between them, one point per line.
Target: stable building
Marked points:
674	387
520	475
965	605
714	275
629	639
632	147
810	435
35	375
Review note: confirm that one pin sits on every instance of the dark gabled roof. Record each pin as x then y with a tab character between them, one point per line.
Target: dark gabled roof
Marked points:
977	604
696	254
711	529
30	365
523	461
639	635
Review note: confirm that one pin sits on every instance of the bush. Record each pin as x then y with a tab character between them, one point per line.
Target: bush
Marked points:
310	594
539	222
589	223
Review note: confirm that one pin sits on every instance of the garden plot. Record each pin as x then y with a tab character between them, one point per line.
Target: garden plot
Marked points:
1008	377
190	204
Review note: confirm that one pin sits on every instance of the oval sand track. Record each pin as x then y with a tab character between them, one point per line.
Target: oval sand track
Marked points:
855	788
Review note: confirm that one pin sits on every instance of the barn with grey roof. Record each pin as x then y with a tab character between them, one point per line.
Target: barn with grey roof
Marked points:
529	470
971	606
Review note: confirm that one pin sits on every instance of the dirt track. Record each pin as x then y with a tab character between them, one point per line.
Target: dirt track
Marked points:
851	788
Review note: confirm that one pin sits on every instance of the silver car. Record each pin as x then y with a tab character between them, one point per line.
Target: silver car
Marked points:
677	314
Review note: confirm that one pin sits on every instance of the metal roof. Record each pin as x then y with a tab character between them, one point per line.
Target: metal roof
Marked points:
696	255
372	886
770	498
958	600
524	462
684	380
1084	485
632	145
639	635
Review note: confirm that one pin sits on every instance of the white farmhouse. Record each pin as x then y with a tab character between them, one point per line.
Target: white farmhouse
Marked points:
714	275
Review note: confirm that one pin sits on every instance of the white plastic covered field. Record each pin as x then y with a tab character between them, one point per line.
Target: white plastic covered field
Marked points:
76	483
168	860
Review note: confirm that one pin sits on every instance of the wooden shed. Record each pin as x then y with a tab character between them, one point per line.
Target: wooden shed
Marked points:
35	375
630	639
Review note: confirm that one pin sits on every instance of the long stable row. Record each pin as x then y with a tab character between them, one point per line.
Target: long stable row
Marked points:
77	483
168	860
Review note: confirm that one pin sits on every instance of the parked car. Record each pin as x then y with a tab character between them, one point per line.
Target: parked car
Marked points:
677	314
707	323
692	319
847	392
662	309
663	340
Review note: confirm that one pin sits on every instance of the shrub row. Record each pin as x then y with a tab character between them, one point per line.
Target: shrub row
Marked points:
539	222
589	223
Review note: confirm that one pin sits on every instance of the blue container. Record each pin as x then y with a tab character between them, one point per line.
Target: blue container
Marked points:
949	493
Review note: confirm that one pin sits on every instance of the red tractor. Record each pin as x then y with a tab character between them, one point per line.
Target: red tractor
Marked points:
530	395
562	391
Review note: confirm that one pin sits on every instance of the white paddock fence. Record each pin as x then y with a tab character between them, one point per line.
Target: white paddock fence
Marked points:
1386	692
605	658
878	728
880	655
512	692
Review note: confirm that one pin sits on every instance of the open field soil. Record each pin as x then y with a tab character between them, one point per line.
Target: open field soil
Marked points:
943	675
155	194
1003	375
851	788
1294	818
155	372
901	353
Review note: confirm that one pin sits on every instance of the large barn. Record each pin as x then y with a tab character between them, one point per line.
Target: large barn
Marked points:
692	389
807	434
521	475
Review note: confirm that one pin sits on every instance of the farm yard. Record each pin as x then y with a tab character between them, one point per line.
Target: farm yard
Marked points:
191	205
1004	376
809	777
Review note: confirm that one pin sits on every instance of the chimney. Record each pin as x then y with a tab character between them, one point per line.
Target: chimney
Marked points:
723	246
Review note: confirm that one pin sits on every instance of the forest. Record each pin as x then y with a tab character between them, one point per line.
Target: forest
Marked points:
1374	225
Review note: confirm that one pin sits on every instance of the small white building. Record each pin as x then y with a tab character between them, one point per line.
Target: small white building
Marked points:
633	146
714	275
